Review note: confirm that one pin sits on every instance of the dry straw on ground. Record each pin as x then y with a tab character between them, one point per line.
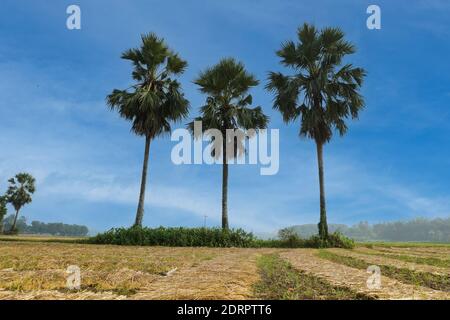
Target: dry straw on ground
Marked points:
37	270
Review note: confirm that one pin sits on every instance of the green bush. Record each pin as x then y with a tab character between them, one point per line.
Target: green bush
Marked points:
175	237
215	237
289	240
334	240
9	232
277	243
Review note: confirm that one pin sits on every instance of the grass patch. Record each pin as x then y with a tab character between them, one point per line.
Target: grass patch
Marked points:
279	280
425	279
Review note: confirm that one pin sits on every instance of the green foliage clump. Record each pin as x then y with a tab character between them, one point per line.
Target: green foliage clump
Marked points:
214	237
3	211
175	237
289	239
11	232
334	240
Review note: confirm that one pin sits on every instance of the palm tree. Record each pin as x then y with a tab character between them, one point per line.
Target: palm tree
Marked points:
19	193
323	92
154	100
228	108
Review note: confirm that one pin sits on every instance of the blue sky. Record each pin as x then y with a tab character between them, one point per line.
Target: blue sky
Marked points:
393	163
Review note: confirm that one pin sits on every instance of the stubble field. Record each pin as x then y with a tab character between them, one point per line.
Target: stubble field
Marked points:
36	268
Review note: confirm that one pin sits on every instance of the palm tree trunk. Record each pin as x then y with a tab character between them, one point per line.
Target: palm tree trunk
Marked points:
140	209
224	187
13	227
323	226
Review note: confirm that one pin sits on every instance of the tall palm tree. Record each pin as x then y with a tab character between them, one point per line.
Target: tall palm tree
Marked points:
323	91
228	107
19	193
155	100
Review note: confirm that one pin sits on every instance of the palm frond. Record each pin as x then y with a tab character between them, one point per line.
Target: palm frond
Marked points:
156	99
228	103
321	91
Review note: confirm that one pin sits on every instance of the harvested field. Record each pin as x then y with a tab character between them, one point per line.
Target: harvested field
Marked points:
37	270
384	260
229	276
281	280
26	266
404	275
342	275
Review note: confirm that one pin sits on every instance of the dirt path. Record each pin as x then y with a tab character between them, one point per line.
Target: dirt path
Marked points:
341	275
379	260
228	276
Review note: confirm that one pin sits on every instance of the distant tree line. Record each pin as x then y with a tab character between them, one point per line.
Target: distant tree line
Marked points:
420	229
37	227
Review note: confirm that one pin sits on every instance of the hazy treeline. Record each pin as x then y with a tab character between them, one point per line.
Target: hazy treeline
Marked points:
420	229
37	227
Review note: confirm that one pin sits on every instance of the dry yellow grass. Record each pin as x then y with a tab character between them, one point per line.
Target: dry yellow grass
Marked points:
27	266
37	270
341	275
230	275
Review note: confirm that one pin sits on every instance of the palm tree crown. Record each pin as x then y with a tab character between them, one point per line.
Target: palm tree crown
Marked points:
156	99
228	102
323	92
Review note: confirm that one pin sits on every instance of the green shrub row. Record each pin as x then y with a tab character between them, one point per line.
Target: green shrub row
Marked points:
175	237
211	237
